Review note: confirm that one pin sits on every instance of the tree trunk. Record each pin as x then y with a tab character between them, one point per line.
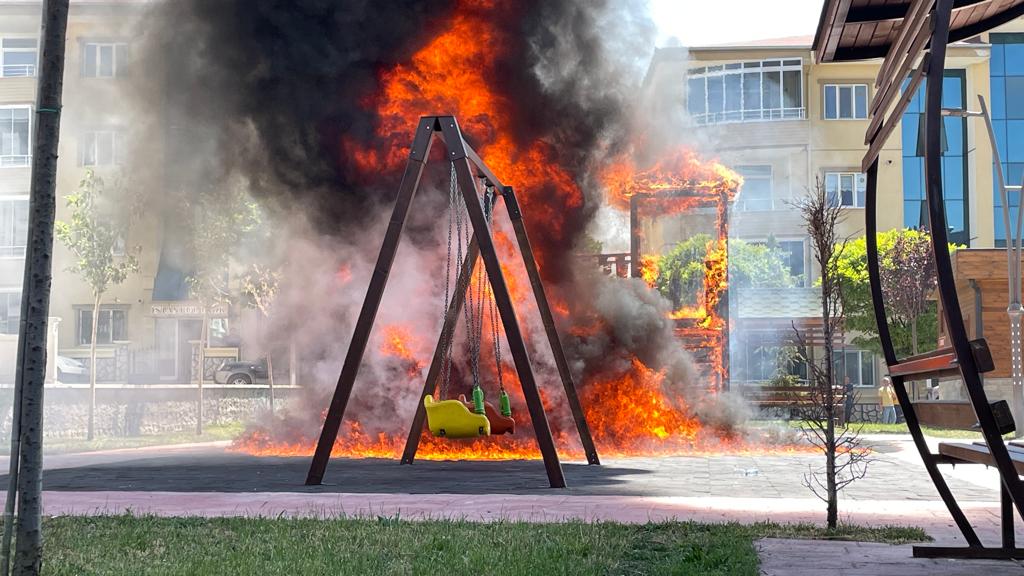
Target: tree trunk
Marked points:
203	335
35	302
913	334
832	507
270	378
91	430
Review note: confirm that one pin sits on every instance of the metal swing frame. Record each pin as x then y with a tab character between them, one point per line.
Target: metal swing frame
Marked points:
466	160
924	34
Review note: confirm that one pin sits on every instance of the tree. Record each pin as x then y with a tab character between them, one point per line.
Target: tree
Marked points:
94	234
908	279
26	459
260	285
681	271
846	459
220	220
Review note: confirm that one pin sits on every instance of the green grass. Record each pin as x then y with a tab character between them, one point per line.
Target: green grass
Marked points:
70	445
149	546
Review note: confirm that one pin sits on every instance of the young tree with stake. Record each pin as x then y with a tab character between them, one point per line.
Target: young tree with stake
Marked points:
25	477
94	233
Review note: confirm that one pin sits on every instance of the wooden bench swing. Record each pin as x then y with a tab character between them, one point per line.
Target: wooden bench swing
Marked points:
913	43
456	418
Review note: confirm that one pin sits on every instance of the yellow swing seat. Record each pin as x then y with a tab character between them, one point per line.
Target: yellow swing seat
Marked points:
451	419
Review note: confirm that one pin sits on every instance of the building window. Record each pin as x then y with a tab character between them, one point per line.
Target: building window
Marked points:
794	257
756	192
13	227
746	92
15	129
1007	86
846	189
846	101
17	57
10	312
102	148
856	365
953	143
104	59
112	325
765	355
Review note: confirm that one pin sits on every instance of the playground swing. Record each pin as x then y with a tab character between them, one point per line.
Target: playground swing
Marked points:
460	418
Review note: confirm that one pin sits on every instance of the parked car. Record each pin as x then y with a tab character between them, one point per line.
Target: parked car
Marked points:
241	373
71	371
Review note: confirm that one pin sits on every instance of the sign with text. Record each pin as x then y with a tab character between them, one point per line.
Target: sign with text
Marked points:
186	310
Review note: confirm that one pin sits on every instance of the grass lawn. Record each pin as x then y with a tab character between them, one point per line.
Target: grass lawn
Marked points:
147	546
69	445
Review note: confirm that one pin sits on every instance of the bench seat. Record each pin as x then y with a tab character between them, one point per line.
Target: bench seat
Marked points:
977	453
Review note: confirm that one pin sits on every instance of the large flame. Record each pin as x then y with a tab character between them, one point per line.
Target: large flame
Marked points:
630	413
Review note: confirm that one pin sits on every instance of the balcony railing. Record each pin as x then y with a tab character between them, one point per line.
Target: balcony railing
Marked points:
763	115
12	251
12	160
18	70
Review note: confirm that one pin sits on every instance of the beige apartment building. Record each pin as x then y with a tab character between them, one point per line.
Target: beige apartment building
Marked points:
768	111
138	332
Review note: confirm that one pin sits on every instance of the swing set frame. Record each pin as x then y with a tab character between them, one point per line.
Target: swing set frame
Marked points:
465	160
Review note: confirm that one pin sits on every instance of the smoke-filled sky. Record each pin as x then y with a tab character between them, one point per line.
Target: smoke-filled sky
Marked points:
700	23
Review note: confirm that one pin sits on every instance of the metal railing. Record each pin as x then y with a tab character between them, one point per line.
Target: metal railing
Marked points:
762	115
18	70
15	160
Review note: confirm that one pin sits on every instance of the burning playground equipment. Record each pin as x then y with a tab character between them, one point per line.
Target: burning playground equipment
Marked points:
682	184
453	413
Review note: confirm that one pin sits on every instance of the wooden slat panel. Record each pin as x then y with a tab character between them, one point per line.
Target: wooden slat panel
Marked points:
897	114
891	88
977	454
908	30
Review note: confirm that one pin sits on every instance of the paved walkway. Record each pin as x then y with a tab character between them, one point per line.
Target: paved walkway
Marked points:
814	558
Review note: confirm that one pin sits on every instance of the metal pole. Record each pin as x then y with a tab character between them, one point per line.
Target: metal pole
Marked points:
407	191
515	214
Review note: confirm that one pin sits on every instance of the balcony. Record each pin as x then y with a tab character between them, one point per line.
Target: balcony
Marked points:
18	71
760	115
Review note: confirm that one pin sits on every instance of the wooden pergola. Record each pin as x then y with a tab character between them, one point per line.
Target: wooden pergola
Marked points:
911	39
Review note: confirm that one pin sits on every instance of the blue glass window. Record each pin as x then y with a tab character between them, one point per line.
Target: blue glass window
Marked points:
1014	96
1014	59
1014	141
996	64
955	188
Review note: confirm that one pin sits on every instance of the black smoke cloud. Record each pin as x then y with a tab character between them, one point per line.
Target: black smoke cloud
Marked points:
268	89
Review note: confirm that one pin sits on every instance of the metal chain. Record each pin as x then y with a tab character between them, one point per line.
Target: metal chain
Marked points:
446	336
495	319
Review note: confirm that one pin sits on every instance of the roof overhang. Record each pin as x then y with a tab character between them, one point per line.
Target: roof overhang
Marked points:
864	29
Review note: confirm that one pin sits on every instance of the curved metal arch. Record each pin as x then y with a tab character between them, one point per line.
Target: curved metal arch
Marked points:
889	351
944	267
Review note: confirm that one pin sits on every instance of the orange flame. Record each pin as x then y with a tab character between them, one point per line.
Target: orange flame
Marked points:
630	413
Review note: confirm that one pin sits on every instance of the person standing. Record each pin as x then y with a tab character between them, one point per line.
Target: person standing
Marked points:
887	398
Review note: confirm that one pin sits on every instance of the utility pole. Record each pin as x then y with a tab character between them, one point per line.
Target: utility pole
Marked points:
26	472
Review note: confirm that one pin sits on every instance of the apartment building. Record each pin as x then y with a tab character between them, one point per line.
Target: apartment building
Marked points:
100	129
768	111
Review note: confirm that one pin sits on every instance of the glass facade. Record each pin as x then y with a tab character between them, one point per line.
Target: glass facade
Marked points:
746	92
954	161
1007	109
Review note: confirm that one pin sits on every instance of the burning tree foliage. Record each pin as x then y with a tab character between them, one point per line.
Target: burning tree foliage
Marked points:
846	459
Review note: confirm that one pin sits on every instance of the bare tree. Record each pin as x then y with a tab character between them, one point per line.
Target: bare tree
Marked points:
26	459
846	458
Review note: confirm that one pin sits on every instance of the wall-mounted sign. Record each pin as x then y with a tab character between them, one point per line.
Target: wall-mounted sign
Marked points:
186	309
